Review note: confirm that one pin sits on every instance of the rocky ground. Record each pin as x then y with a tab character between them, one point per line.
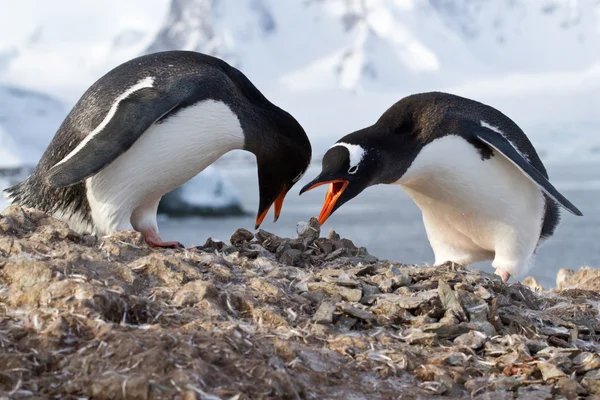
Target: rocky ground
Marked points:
264	317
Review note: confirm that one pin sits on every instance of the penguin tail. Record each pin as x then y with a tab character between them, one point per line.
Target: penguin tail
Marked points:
19	194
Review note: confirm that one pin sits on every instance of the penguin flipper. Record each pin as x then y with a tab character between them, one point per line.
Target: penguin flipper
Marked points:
501	145
130	118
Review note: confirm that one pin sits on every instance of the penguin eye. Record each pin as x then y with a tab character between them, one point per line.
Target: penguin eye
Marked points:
353	169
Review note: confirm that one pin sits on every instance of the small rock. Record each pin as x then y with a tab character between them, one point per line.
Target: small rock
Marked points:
268	317
357	313
291	257
449	300
562	276
210	246
568	387
324	314
406	302
324	245
362	270
241	236
268	240
368	289
345	323
505	383
445	331
422	320
384	284
222	273
550	371
473	340
335	254
346	293
266	287
586	362
308	232
591	381
351	283
483	293
344	244
403	291
533	284
418	337
476	385
535	392
193	292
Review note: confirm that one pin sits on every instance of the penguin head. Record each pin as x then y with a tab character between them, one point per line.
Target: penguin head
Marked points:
380	153
348	169
283	156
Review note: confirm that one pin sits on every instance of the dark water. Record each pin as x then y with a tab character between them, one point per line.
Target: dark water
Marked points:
386	221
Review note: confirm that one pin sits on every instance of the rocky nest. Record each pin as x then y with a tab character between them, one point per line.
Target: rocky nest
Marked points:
264	317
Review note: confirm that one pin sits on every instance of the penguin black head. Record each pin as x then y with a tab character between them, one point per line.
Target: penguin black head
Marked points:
283	155
377	154
348	169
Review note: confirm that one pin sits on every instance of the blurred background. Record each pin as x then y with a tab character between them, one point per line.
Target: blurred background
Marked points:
336	65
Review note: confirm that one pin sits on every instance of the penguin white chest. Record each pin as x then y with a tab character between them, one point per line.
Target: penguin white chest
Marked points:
475	209
166	156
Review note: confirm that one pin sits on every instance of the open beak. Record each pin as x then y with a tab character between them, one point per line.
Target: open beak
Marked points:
336	188
278	205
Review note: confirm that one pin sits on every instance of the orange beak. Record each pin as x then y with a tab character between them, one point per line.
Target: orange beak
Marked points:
336	188
278	205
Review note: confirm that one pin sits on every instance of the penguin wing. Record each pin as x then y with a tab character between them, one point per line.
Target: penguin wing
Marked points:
501	145
128	118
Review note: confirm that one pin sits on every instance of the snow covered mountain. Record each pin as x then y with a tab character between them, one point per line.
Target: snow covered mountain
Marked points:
386	44
336	65
31	119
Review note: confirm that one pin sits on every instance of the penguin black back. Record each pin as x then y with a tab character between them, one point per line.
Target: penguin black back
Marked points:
177	79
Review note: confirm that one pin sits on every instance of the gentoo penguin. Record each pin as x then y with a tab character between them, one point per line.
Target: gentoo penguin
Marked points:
150	125
481	187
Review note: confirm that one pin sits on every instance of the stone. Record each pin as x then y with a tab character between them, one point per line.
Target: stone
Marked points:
291	257
416	336
550	371
473	340
445	331
449	301
357	313
308	232
241	236
586	361
324	314
532	284
591	381
193	292
483	293
346	293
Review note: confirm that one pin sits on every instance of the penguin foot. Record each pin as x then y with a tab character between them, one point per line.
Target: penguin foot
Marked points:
156	242
503	274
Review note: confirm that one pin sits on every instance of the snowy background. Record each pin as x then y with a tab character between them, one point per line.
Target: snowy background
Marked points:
336	65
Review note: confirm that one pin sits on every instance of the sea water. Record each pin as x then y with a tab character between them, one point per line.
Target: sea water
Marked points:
387	222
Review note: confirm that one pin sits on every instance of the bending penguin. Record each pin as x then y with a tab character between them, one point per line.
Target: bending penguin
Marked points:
150	125
481	187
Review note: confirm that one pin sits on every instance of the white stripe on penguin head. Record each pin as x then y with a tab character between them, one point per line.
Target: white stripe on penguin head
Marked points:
355	153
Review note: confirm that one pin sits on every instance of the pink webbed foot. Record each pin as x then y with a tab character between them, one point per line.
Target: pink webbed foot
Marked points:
503	274
156	242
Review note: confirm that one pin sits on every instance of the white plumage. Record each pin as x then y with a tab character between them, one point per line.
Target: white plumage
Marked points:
473	209
126	193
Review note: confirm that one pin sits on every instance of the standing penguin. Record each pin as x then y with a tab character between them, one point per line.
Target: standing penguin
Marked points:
147	127
482	189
